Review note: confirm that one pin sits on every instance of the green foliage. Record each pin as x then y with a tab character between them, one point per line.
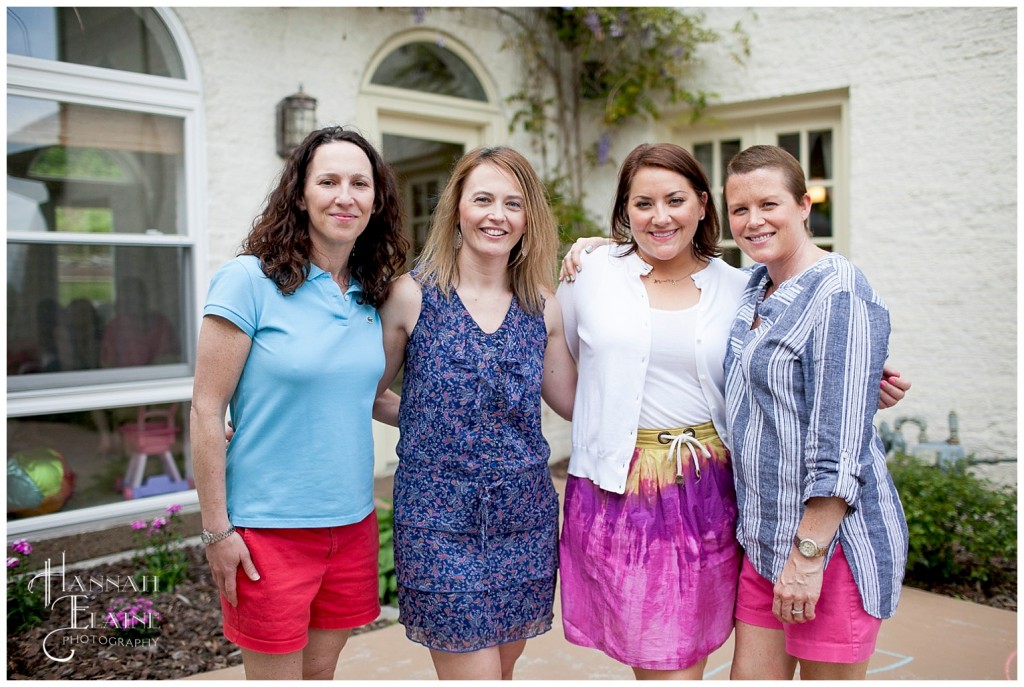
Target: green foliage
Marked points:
160	553
386	578
599	64
962	528
572	218
25	605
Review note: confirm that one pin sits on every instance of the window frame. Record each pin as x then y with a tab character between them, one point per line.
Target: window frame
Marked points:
761	122
45	79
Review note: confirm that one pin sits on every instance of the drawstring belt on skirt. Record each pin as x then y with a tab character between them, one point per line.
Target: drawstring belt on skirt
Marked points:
691	437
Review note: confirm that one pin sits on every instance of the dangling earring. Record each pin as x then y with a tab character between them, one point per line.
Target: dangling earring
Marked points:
458	239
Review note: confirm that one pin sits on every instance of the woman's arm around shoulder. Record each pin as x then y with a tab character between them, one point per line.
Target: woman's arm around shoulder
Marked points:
559	384
398	317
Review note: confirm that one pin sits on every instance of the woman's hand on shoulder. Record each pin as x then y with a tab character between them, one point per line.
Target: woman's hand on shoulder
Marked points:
893	388
572	263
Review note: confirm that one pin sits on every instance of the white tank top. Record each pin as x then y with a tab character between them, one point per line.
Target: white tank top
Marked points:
672	393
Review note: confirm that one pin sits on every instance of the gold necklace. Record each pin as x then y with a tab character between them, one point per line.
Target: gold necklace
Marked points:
674	281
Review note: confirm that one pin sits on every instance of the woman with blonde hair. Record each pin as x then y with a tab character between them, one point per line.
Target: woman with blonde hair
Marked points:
480	334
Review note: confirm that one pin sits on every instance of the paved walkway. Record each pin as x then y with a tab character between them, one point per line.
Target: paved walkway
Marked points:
931	637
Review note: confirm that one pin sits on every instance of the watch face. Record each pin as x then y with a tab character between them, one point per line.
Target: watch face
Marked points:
808	548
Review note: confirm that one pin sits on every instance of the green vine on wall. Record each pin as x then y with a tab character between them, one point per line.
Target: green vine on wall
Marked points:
609	65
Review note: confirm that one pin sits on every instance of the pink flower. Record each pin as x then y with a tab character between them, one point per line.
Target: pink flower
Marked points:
22	547
174	508
12	562
157	524
139	525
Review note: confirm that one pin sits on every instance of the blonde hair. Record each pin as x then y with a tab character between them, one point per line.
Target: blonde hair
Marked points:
531	262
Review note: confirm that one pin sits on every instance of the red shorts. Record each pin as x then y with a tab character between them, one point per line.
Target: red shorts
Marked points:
322	578
841	632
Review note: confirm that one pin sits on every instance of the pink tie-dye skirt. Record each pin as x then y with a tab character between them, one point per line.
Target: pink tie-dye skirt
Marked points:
649	577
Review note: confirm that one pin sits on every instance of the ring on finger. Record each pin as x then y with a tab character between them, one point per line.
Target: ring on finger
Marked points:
589	249
798	611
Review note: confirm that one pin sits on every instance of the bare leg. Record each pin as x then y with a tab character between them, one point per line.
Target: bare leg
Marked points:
320	657
317	661
510	653
694	672
760	654
260	666
816	670
484	664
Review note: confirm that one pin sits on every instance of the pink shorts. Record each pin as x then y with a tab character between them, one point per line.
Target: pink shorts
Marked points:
322	578
841	632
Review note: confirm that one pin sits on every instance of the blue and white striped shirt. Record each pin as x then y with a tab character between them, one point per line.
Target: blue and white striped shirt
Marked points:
801	392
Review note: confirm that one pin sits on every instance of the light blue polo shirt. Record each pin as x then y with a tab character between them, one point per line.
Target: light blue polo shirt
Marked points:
302	453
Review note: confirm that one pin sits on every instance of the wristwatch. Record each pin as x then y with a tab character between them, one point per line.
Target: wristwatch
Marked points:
209	537
809	548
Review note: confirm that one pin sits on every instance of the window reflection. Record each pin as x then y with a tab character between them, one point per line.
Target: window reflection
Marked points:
63	462
132	39
81	307
430	68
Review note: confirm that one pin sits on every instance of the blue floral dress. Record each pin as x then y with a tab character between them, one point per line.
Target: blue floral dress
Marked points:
476	514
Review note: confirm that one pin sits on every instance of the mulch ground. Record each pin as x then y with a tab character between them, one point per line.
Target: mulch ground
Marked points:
190	641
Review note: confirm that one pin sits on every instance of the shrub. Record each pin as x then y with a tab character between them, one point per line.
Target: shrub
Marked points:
388	581
160	553
962	529
25	606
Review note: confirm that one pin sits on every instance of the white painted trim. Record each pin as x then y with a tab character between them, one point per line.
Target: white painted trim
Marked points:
74	399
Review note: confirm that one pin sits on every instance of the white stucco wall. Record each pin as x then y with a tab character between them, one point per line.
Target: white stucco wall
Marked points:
931	133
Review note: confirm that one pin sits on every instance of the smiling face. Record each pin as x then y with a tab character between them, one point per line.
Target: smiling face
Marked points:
492	212
767	221
338	196
664	211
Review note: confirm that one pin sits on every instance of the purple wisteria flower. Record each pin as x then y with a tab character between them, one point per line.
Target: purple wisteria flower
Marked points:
419	14
604	145
12	562
22	547
593	23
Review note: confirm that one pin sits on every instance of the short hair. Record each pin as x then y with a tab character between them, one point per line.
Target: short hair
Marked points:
675	159
532	260
280	233
770	157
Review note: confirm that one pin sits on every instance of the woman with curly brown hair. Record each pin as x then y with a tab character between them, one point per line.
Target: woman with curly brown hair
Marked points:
291	342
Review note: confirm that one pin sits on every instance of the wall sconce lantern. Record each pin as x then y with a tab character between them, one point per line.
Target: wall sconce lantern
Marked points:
296	118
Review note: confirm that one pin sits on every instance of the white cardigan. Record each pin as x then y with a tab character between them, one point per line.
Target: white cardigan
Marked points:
608	327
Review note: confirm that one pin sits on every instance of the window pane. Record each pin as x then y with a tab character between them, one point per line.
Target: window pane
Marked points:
791	144
732	256
821	210
704	152
430	68
727	149
820	147
64	158
75	460
132	39
86	307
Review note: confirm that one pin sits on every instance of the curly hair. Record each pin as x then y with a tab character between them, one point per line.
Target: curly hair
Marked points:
280	233
675	159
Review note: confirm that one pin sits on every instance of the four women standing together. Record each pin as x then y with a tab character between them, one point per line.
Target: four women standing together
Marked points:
648	553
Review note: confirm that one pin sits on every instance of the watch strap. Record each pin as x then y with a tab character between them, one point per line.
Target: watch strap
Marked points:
209	537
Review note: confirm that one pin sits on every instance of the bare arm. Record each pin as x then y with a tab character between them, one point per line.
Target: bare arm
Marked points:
558	387
398	317
220	357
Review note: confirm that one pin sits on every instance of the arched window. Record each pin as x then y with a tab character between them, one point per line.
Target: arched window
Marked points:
104	210
427	67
